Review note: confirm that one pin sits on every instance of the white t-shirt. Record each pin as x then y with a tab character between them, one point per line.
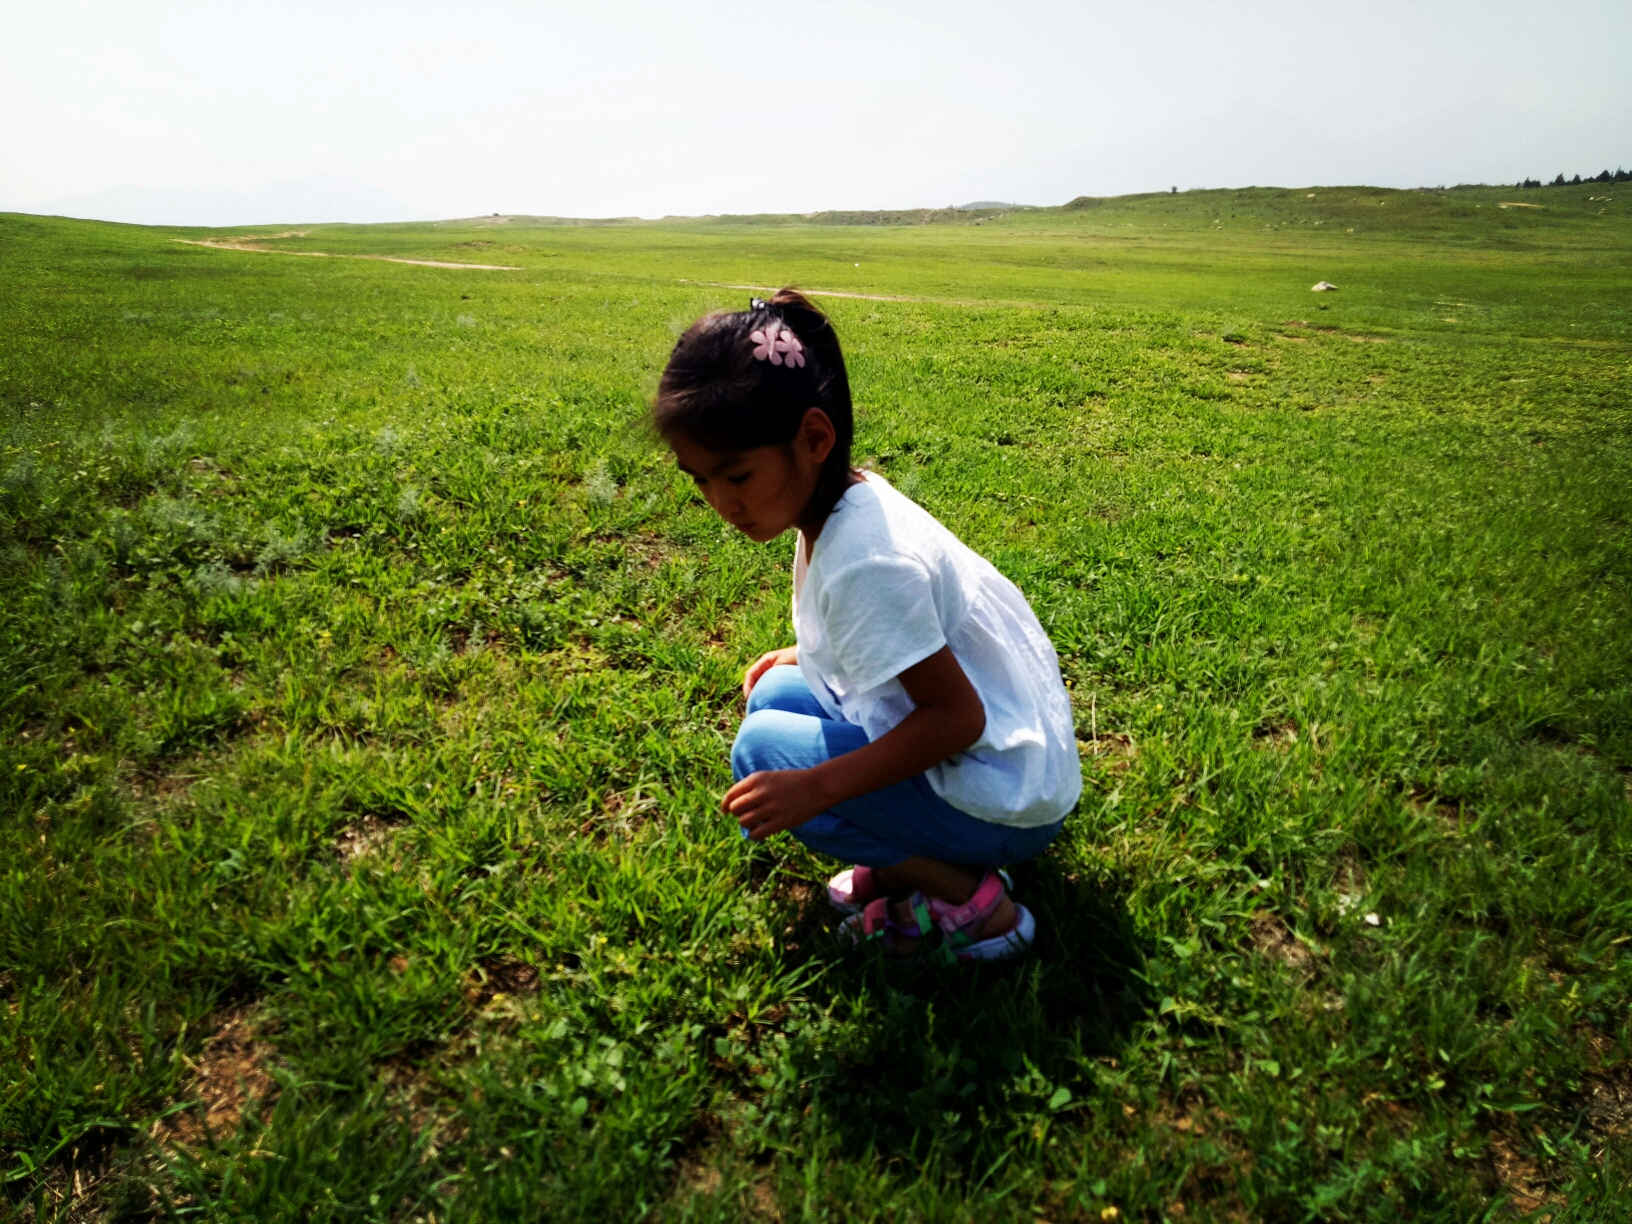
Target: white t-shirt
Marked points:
885	587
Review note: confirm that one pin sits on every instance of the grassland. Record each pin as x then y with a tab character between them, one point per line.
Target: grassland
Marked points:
367	675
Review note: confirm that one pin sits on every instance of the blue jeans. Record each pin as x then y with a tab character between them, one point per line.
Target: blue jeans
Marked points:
786	728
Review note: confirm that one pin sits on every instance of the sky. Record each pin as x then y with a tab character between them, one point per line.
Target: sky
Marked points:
360	111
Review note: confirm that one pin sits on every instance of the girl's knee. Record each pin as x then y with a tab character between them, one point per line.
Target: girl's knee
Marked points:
754	747
782	687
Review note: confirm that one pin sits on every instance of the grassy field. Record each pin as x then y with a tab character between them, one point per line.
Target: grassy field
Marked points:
367	676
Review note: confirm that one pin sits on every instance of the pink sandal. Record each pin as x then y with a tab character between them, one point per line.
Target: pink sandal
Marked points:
958	922
875	922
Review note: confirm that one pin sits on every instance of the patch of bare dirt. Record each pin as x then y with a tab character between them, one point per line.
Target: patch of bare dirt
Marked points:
702	1179
762	1202
172	787
810	919
1275	940
1521	1176
649	549
71	1192
505	978
1281	733
1454	818
801	894
1115	750
620	814
232	1076
424	1104
1218	1159
370	835
1608	1097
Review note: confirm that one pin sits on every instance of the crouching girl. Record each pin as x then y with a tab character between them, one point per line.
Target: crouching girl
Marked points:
919	730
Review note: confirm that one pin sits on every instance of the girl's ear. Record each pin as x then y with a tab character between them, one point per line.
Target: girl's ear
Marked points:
817	434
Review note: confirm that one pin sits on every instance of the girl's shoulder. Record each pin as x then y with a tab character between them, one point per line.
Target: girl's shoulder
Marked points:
874	521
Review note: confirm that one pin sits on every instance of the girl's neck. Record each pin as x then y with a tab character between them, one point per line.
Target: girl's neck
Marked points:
810	524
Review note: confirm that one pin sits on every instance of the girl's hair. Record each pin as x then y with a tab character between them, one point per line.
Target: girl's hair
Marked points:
716	393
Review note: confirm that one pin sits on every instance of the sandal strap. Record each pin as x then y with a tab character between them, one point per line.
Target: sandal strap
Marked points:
878	920
954	919
875	919
921	915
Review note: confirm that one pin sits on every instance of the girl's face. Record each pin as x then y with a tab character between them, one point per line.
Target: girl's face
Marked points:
762	491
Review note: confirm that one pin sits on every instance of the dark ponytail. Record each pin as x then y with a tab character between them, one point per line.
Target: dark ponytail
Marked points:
716	394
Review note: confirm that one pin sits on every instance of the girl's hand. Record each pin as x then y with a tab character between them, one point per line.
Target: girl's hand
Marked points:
772	800
787	655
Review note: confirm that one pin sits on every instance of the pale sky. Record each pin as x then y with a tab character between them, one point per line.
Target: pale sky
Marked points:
600	109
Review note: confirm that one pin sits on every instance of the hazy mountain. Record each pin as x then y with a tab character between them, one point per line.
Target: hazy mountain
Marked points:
1483	140
305	201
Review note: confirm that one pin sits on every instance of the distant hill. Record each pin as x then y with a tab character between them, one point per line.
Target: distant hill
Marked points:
980	204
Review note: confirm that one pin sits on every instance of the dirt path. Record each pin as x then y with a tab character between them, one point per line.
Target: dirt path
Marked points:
240	244
248	243
866	297
981	303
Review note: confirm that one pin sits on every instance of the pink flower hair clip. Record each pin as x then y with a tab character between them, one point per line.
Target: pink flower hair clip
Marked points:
779	344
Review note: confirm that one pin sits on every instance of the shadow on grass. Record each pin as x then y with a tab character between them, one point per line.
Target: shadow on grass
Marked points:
959	1061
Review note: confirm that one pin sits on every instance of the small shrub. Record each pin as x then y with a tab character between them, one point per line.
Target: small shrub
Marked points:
213	578
601	487
280	550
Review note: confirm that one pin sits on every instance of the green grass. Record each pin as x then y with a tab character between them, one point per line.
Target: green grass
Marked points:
368	677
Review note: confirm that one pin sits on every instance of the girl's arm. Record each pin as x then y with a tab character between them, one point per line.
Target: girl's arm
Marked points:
948	718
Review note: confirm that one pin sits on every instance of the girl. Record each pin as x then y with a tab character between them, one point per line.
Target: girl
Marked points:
920	729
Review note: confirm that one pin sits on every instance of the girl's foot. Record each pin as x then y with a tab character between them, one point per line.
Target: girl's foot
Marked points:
988	926
900	927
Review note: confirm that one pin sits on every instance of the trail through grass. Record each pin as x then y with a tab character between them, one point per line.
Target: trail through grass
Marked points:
368	677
